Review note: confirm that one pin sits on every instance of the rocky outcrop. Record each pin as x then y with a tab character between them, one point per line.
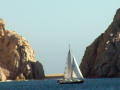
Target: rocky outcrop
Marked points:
37	69
17	59
102	57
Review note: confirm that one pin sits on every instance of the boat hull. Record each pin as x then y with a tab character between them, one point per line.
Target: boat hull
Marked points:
70	81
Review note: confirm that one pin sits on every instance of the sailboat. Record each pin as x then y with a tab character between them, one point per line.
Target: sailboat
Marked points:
72	73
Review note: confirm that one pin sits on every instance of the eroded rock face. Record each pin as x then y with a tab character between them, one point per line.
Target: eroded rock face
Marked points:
102	57
17	59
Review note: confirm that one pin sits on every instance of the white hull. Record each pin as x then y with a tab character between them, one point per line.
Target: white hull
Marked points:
70	81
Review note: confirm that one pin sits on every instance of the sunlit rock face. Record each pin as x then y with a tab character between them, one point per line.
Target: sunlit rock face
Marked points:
102	57
17	59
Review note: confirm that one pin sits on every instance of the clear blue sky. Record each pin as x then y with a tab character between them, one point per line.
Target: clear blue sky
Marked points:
51	25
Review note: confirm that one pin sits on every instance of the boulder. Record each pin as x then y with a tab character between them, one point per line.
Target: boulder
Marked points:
102	57
37	70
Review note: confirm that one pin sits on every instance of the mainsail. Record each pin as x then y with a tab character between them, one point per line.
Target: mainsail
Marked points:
68	68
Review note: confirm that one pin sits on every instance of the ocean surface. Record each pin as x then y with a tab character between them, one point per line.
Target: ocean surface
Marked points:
51	84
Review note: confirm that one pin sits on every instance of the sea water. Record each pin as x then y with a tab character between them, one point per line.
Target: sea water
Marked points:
51	84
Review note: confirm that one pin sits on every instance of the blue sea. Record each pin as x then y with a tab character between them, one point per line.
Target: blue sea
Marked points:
51	84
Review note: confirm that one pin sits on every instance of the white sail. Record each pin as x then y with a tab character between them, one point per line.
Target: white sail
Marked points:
76	73
68	68
72	72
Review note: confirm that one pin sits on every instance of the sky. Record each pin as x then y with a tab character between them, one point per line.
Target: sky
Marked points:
51	25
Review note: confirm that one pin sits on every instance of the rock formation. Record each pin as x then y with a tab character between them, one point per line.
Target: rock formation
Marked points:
17	59
102	57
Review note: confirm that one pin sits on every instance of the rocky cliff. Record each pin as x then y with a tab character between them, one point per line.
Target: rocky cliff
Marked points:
17	59
102	57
